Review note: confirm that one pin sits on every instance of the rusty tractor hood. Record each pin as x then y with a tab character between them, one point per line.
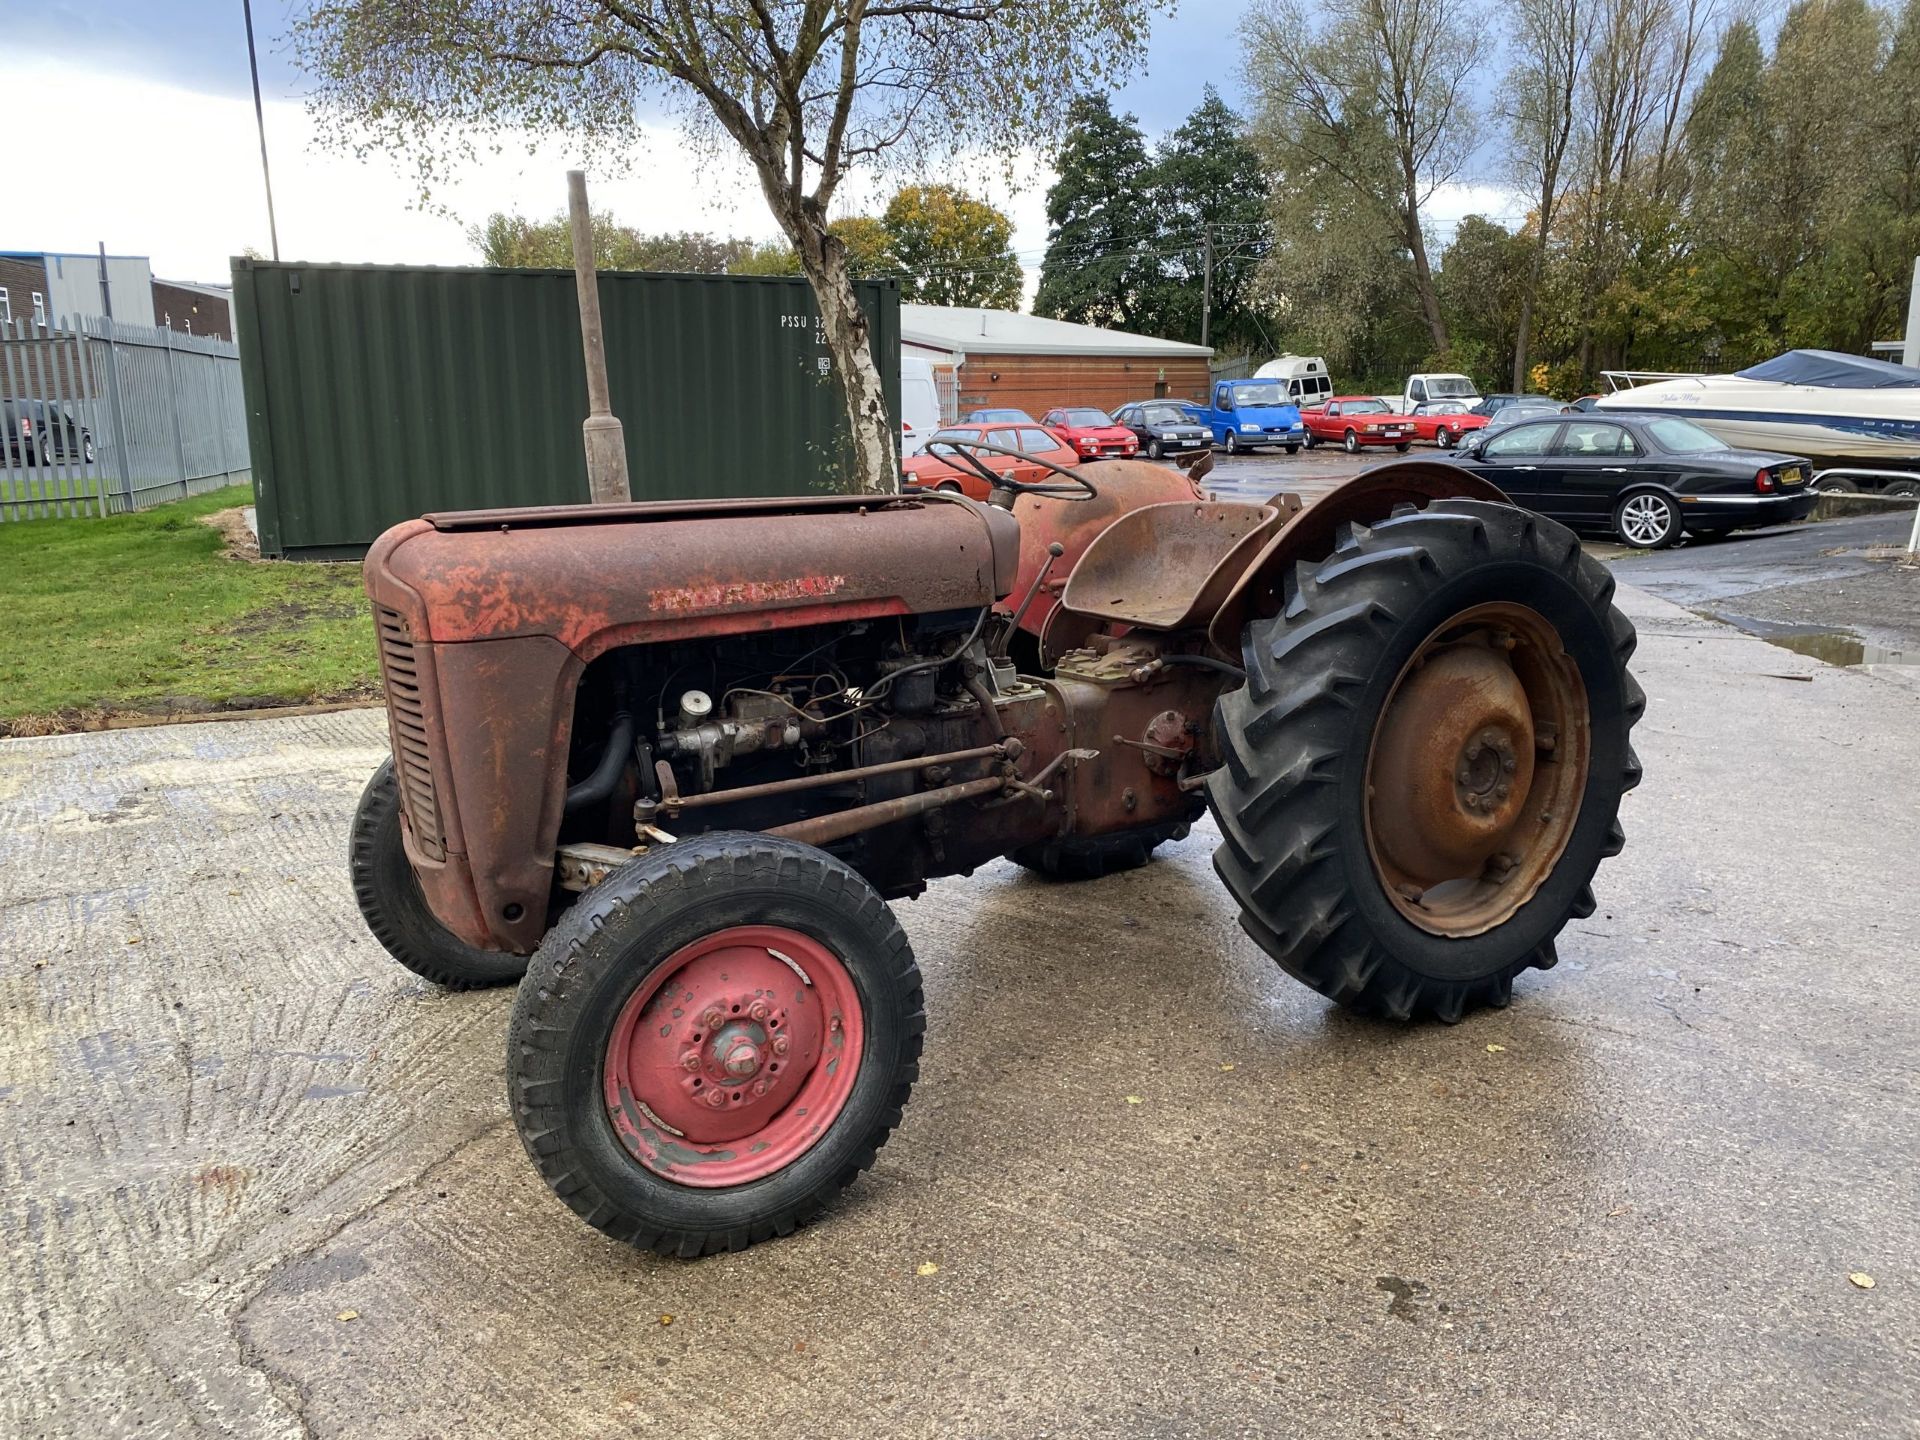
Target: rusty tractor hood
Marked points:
596	576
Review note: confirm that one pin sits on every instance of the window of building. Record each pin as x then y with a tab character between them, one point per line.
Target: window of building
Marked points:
39	309
6	307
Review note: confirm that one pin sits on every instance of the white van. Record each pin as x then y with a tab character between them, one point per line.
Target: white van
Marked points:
1308	383
919	404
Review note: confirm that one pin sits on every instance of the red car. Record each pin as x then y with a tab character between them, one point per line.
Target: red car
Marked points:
1443	422
939	469
1354	421
1091	433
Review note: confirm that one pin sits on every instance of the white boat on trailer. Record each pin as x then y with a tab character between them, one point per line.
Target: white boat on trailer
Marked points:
1857	419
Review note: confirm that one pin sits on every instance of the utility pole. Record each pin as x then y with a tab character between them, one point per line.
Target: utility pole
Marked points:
606	441
1206	279
106	290
260	122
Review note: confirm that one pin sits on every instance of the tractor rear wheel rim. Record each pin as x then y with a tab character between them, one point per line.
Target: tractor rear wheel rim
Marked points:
1476	770
734	1056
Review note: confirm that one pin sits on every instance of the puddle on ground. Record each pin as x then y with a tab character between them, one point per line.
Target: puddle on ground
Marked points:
1835	647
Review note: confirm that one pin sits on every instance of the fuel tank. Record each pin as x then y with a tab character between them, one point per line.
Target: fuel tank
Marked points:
592	577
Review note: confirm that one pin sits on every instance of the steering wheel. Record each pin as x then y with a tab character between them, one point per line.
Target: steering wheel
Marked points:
1081	488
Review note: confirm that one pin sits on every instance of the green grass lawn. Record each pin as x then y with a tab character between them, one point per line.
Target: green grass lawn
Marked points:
26	487
145	613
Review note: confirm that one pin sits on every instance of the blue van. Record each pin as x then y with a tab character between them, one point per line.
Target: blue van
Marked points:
1246	414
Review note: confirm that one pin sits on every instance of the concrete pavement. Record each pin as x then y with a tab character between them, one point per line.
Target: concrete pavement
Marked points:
259	1181
1838	575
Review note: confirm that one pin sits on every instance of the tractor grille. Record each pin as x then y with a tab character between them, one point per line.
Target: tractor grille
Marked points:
412	740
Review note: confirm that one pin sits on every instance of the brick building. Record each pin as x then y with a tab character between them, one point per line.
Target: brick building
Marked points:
45	288
195	308
994	358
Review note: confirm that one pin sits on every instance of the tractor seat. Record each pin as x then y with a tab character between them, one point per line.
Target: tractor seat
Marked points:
1168	567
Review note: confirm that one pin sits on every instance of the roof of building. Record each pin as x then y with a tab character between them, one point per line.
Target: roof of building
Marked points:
62	255
1003	332
217	292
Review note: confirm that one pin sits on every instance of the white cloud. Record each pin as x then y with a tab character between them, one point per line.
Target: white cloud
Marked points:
174	174
1452	203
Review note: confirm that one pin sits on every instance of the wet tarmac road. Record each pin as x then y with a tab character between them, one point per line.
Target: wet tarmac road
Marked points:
259	1181
1834	576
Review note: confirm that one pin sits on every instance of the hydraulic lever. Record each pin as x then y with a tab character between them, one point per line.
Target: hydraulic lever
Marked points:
1005	638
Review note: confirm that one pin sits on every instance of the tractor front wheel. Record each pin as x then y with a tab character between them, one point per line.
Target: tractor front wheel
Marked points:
396	912
1424	768
714	1042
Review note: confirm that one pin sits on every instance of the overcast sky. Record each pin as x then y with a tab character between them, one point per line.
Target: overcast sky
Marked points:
155	127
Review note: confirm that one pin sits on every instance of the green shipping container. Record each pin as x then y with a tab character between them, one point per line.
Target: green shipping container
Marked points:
378	393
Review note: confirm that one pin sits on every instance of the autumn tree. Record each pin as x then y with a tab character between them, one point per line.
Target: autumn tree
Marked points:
1374	97
518	241
1099	264
950	249
864	238
808	91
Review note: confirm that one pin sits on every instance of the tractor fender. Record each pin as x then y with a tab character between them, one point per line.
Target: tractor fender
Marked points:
1313	531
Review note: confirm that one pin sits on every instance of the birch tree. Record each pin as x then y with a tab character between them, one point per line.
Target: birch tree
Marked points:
808	91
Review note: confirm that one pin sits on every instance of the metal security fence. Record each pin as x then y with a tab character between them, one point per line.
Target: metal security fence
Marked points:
99	416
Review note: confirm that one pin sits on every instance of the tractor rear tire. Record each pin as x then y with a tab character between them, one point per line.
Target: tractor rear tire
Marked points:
759	968
1088	857
396	912
1319	811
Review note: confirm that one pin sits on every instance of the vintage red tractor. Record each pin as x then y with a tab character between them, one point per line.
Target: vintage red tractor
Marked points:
672	761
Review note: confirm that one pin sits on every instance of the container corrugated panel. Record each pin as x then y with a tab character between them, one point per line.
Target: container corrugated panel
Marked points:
377	393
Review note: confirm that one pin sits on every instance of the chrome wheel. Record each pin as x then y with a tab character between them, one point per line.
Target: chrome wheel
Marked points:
1646	521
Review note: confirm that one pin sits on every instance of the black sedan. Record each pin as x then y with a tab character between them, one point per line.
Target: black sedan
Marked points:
1647	478
38	431
1164	427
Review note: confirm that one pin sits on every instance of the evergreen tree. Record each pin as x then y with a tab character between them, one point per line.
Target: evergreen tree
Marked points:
1202	188
1099	267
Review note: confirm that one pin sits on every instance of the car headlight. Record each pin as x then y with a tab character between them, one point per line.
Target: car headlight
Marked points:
1244	426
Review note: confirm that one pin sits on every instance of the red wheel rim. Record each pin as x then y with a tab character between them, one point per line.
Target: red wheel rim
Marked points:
763	1017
